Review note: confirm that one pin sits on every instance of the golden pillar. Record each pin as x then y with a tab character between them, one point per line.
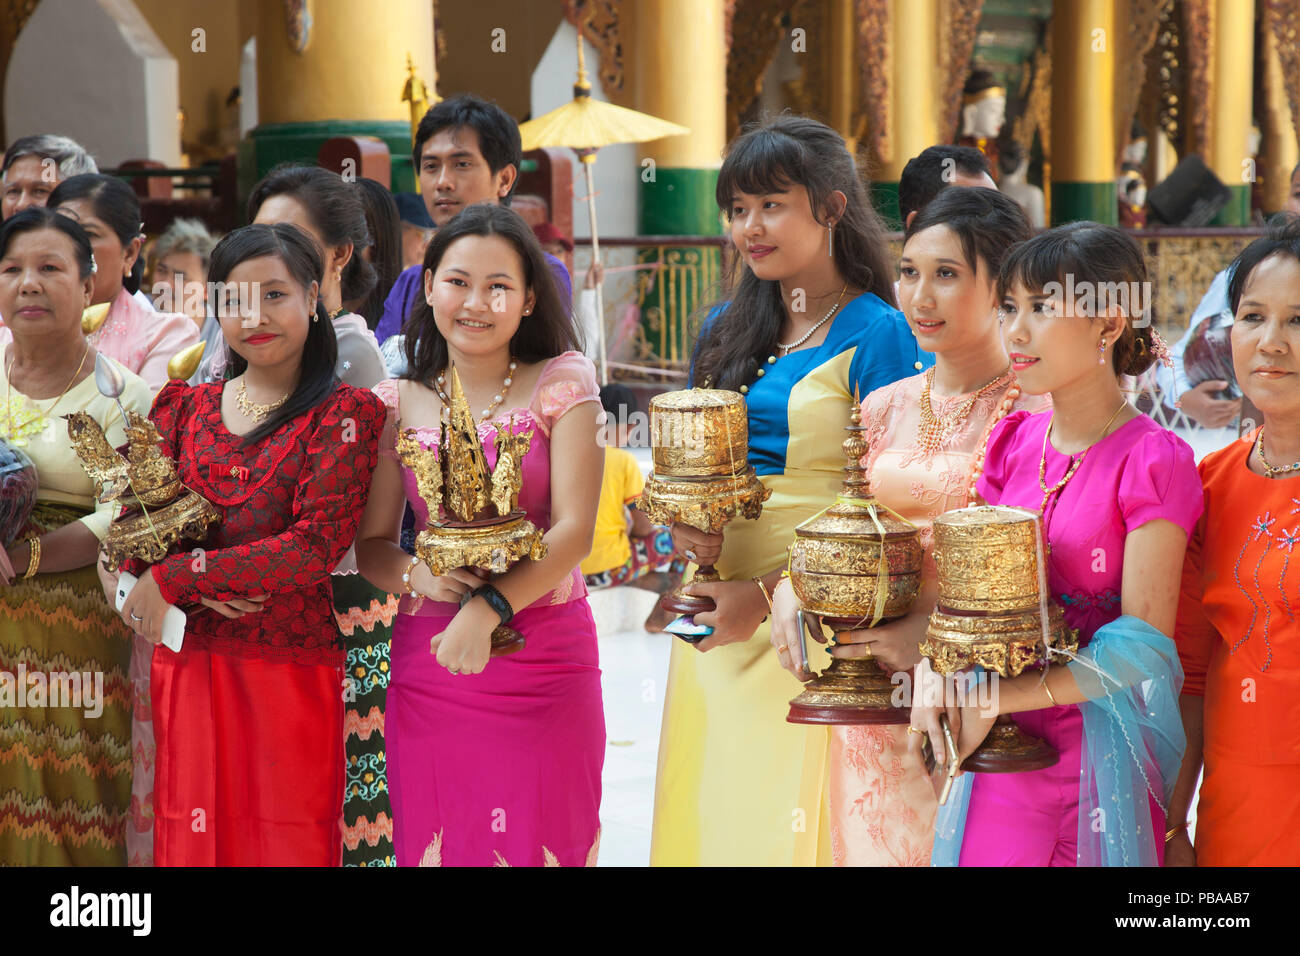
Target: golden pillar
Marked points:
1231	78
339	72
1084	41
844	70
679	48
914	86
1280	148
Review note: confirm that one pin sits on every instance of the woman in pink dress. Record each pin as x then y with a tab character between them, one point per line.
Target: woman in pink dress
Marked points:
140	338
493	762
1119	496
924	436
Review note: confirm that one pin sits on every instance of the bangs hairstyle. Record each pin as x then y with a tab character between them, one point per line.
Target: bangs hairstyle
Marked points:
545	333
1102	256
986	222
35	218
790	151
320	353
1281	239
115	204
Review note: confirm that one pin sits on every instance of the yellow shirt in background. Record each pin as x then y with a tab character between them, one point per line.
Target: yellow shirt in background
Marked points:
621	485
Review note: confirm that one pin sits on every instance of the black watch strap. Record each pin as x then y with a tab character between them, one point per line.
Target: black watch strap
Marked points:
497	601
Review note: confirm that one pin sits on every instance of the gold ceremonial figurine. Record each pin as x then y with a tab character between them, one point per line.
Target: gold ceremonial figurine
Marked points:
160	511
702	476
854	565
993	611
474	516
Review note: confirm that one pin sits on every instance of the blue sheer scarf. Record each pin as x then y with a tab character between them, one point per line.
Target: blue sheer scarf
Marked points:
1133	745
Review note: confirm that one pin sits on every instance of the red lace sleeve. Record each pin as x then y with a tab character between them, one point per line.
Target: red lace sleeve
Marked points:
340	455
170	408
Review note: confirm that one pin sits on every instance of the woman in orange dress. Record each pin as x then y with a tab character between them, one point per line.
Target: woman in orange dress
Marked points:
1237	633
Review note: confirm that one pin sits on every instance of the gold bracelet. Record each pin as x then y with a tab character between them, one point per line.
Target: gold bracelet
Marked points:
34	561
406	575
1049	691
766	597
1175	831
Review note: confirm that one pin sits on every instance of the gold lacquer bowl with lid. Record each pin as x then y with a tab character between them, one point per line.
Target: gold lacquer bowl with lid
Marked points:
987	558
699	433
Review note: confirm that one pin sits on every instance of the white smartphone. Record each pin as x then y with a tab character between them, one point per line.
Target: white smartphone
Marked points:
173	630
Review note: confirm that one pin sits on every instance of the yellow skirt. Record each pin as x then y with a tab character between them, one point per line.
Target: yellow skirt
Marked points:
737	785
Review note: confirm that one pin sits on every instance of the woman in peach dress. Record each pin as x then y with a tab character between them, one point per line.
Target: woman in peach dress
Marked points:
925	440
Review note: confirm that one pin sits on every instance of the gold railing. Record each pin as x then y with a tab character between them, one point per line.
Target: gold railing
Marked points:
658	288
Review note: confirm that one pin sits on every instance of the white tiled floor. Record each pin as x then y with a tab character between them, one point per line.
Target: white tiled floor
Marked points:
634	667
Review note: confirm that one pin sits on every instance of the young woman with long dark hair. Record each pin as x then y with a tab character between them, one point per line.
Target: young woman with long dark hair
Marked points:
493	761
808	323
248	716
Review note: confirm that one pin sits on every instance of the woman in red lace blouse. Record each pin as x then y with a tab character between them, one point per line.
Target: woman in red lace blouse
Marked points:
249	715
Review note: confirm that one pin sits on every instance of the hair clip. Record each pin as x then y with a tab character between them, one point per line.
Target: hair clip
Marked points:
1160	349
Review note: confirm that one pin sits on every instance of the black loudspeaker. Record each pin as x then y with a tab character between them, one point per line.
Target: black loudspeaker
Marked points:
1190	196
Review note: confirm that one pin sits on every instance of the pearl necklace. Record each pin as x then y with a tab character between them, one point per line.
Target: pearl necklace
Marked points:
1271	471
497	399
935	433
787	349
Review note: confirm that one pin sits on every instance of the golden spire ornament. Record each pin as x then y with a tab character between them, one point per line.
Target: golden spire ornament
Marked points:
854	565
474	516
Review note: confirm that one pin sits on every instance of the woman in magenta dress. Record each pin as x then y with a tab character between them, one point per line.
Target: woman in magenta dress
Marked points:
248	716
493	762
1119	496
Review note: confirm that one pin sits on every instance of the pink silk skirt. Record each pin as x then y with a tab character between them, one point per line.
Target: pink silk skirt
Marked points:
501	767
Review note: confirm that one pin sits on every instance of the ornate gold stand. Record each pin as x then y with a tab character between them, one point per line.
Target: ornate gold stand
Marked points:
493	544
701	474
855	564
151	537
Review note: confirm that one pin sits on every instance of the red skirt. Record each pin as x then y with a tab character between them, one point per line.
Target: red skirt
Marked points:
250	761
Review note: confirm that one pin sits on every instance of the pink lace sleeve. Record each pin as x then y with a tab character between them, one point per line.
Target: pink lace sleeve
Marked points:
387	392
875	419
171	332
568	380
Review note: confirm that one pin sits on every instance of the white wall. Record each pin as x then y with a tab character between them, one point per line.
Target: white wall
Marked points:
95	70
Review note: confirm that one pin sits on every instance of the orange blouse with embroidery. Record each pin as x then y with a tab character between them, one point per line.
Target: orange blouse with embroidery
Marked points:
1239	642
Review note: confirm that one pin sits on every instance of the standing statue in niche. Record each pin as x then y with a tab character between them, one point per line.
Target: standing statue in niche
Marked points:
983	112
1131	185
1013	161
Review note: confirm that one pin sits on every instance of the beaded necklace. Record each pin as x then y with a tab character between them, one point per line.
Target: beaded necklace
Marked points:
1004	409
1272	471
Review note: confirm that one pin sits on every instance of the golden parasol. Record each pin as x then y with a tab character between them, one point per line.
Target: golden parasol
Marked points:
585	125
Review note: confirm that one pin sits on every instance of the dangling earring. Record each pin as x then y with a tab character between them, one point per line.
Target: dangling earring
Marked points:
1101	353
315	316
830	241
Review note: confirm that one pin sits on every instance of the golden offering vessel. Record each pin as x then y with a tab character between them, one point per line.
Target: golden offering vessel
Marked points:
474	516
159	510
183	364
854	565
702	476
990	613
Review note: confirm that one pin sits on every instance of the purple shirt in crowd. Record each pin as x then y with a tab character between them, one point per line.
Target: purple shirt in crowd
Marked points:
408	285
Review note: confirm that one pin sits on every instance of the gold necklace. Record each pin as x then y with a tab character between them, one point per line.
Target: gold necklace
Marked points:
252	410
1042	464
9	392
1271	471
496	399
933	432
